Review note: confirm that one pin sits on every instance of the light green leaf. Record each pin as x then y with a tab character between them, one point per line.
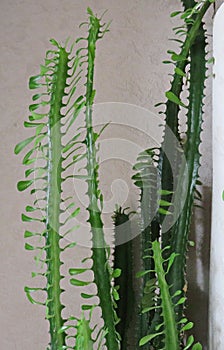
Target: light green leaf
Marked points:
175	57
164	212
79	283
180	72
28	234
74	271
34	82
176	13
147	339
171	261
30	290
181	301
187	327
164	203
30	209
116	273
29	246
89	11
26	218
176	294
142	273
26	159
54	42
37	116
20	146
190	341
173	98
23	185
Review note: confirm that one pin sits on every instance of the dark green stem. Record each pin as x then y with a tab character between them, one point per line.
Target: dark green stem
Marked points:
54	306
99	254
130	296
172	111
196	94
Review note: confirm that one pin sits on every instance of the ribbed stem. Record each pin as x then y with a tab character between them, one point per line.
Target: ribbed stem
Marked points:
171	341
195	113
99	255
172	111
54	306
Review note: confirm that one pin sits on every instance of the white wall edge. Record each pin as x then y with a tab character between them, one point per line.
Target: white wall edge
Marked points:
216	297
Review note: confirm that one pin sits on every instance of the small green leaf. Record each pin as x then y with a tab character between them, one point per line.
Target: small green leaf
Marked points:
116	295
30	209
31	125
168	62
34	82
20	146
165	192
77	271
28	234
75	213
23	185
26	218
163	203
43	69
177	58
171	261
36	116
54	42
78	283
147	339
70	245
150	308
29	247
28	172
211	60
176	13
26	159
36	96
116	273
64	328
187	327
87	296
190	341
177	293
183	320
164	212
87	307
142	273
89	11
180	72
181	301
30	290
173	98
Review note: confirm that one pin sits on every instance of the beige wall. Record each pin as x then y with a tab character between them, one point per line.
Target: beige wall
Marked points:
129	70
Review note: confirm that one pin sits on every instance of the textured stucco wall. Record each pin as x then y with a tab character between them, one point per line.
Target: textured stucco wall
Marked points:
129	70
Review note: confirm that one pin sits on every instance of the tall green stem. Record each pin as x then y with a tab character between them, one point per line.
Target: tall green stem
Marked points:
54	290
99	254
195	111
170	330
172	110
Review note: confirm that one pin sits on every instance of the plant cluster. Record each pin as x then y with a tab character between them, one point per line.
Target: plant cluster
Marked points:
149	314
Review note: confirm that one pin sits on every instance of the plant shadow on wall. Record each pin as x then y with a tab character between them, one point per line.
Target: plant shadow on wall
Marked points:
143	310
